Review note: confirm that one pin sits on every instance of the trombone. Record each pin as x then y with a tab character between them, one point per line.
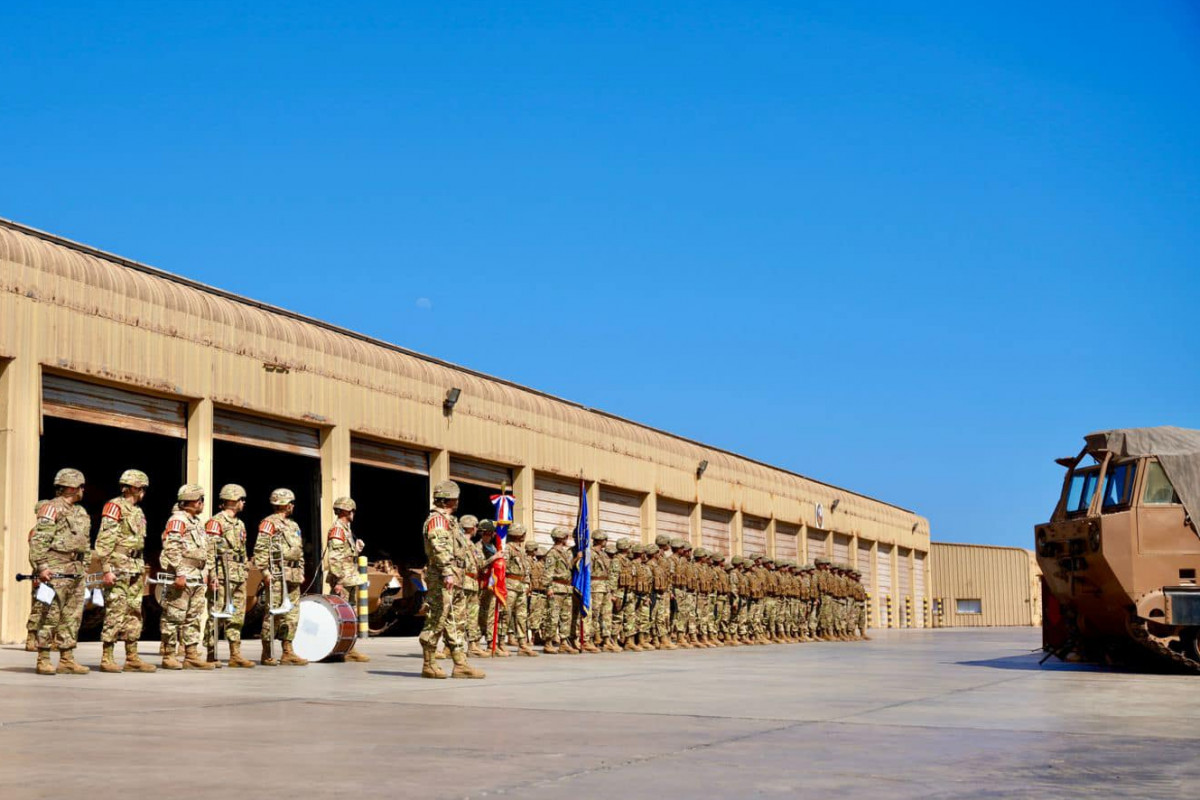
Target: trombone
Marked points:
223	588
168	578
277	576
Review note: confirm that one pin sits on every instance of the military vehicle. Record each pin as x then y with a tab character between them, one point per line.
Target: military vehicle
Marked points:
1119	555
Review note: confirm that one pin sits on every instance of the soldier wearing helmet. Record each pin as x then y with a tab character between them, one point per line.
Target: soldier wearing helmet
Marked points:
279	534
558	573
443	538
341	561
187	554
603	590
469	558
58	552
537	590
227	540
119	546
518	580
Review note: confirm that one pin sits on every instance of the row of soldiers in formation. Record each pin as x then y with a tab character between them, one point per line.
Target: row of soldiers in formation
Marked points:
664	595
60	554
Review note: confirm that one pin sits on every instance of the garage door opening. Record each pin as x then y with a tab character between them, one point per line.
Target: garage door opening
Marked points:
477	482
392	507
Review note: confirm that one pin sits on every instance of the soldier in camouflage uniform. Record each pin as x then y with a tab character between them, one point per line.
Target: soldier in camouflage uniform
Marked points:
685	596
771	601
227	538
646	598
489	553
558	575
538	586
280	533
660	598
625	600
824	600
602	597
35	608
466	608
186	554
119	546
58	553
722	590
517	578
861	597
443	577
341	562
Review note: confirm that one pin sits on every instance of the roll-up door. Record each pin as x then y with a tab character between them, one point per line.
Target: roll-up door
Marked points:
555	505
816	544
98	404
754	535
841	548
674	519
883	564
864	564
621	514
786	540
714	529
919	589
480	473
904	586
234	426
389	456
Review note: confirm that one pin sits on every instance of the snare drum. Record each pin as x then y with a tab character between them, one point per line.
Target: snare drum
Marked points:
328	626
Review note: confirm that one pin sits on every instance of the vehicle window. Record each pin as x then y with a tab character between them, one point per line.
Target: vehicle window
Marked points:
1118	486
1083	486
1158	486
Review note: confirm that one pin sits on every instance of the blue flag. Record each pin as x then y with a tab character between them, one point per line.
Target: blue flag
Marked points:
582	579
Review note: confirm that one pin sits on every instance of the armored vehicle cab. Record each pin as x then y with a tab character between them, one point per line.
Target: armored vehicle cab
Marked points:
1120	554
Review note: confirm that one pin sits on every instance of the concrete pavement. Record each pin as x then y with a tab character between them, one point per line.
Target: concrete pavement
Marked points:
929	714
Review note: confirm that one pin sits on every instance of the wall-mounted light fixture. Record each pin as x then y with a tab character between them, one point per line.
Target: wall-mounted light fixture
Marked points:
700	468
833	506
451	400
915	525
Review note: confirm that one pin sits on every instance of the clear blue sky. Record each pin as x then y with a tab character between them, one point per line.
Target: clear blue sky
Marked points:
914	252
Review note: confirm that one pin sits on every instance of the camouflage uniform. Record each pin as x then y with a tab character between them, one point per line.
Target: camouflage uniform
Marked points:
626	597
660	602
518	569
558	573
341	563
227	539
60	543
602	598
646	599
442	550
185	552
537	591
469	558
685	597
280	531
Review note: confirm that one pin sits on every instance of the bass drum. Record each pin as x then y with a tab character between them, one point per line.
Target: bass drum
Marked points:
328	627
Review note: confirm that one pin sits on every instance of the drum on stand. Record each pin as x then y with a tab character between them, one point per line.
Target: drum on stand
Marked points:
328	626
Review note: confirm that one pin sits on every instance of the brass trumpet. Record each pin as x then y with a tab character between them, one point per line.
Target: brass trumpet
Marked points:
168	578
278	572
222	577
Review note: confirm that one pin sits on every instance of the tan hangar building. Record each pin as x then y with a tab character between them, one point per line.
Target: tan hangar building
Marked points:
107	364
984	586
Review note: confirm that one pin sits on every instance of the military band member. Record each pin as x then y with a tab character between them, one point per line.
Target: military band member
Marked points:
227	539
119	546
58	553
279	539
187	556
341	562
443	578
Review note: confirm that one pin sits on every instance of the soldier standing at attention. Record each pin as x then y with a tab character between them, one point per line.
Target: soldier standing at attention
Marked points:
558	574
661	594
466	610
443	579
626	599
645	595
601	594
186	553
490	552
35	610
227	539
341	562
518	572
537	591
119	547
58	553
280	533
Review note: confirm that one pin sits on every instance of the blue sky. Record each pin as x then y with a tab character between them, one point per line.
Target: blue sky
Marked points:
916	252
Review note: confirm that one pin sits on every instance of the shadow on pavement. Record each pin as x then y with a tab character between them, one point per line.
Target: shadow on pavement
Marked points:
1029	662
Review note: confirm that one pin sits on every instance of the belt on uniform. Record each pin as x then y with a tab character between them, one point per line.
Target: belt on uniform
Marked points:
538	591
238	559
291	563
515	578
561	582
129	553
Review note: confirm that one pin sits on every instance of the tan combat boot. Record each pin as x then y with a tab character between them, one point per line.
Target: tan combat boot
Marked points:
550	648
631	644
430	668
588	647
290	657
67	665
235	657
107	662
500	652
31	642
462	669
442	653
133	663
568	648
526	650
193	660
354	655
268	658
212	658
44	667
475	651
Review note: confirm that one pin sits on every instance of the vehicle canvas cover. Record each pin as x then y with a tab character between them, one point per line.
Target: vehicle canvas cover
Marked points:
1177	449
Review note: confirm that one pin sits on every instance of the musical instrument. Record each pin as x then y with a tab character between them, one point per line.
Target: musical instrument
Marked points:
328	626
163	581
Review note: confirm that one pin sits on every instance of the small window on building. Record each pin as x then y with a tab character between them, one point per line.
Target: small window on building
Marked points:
1159	490
968	606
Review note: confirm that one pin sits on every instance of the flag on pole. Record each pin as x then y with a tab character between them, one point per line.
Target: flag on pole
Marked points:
582	579
503	504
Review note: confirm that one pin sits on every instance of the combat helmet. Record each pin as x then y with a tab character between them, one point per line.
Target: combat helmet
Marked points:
190	492
516	530
135	478
531	547
446	490
624	544
662	540
600	536
677	544
558	534
282	497
345	504
69	478
486	526
232	492
468	521
651	549
610	547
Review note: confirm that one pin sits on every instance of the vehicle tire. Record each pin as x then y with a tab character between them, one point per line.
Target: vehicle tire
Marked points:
1189	638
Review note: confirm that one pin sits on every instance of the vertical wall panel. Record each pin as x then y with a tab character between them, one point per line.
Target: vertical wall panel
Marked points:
754	535
673	518
555	505
787	544
816	544
620	514
714	529
841	549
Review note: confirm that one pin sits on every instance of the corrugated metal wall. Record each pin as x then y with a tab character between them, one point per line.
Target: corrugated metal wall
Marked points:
1000	578
100	318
